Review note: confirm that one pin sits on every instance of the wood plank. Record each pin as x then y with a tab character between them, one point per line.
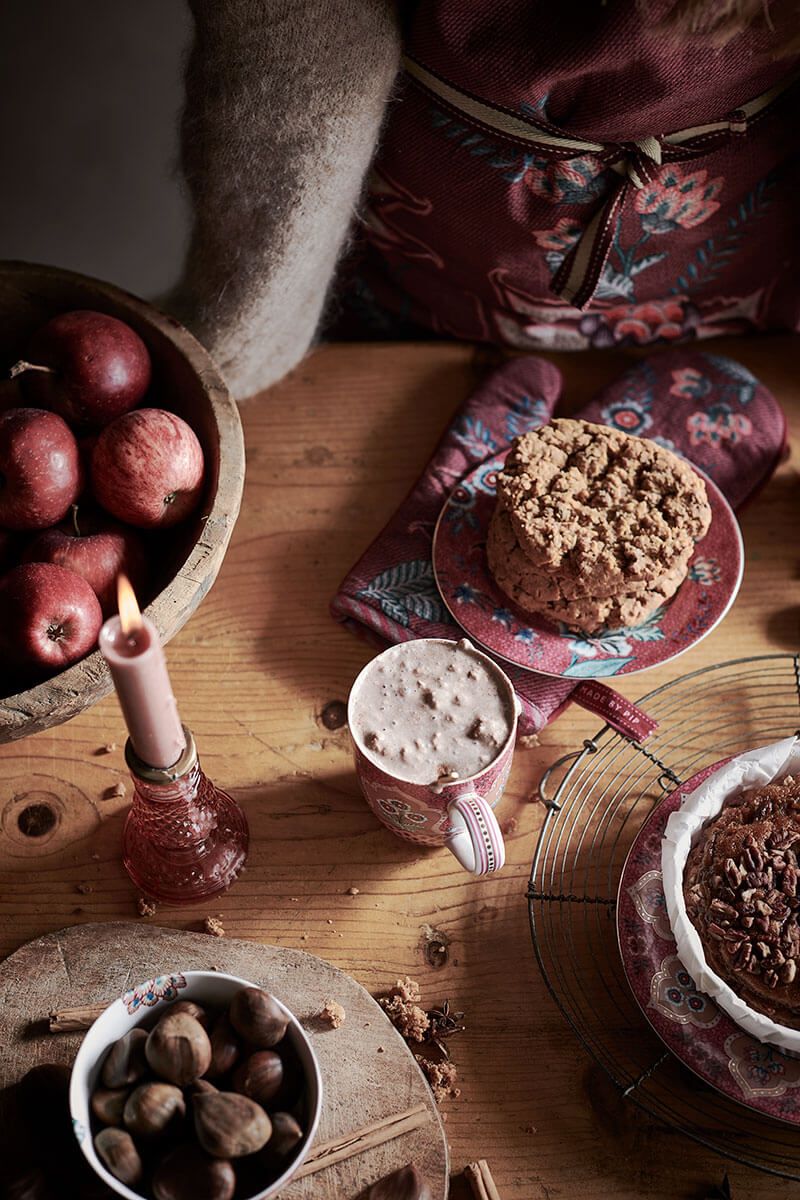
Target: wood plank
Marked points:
331	452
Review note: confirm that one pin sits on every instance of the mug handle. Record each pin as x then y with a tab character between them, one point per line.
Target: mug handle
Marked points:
477	842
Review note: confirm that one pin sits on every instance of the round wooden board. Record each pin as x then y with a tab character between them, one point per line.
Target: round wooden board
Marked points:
95	963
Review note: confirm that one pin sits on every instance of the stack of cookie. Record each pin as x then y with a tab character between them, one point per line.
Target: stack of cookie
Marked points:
593	527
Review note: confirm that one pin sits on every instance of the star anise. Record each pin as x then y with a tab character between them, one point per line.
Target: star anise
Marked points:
443	1024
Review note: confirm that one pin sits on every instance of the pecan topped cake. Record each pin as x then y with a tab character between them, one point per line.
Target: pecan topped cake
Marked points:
741	891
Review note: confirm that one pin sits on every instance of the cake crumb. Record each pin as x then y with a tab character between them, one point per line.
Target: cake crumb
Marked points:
441	1077
213	927
332	1013
116	792
353	891
145	907
510	827
528	741
408	1019
381	1050
84	888
407	989
109	748
528	1128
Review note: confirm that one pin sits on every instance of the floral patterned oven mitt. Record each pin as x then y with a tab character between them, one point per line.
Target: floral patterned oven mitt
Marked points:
706	407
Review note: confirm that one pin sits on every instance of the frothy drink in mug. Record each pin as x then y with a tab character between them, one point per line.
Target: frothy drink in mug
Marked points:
432	712
433	723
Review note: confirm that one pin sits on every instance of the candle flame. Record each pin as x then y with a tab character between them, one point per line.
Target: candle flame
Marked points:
130	617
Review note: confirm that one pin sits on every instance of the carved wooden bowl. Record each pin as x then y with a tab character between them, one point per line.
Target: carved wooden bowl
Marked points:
186	559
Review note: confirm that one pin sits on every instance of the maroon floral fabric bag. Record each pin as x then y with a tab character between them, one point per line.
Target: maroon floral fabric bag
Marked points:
555	183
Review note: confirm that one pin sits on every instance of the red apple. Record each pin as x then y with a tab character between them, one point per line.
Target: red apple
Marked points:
40	471
49	617
147	468
97	549
86	366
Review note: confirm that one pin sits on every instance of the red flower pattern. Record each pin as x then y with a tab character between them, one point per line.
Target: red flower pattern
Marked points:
646	322
677	200
565	234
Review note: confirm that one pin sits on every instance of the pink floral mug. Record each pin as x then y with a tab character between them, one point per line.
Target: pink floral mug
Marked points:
456	814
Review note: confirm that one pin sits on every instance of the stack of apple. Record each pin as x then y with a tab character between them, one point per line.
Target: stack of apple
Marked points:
84	470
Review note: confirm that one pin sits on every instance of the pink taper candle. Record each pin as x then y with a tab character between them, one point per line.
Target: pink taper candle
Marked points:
132	648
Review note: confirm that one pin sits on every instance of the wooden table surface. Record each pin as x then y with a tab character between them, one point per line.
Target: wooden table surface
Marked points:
331	452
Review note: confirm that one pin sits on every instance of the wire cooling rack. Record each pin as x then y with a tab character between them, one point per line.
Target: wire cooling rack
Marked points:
596	799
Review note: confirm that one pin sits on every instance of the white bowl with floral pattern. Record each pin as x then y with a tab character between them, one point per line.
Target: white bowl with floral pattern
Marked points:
143	1006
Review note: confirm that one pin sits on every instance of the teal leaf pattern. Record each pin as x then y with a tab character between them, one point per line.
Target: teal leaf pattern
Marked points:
592	668
405	590
715	254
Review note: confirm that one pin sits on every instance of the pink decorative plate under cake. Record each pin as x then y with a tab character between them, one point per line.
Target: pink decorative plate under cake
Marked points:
479	606
691	1025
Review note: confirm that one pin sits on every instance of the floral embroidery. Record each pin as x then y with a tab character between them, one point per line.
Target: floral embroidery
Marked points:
718	424
163	987
674	200
689	383
389	200
566	181
475	437
404	590
638	324
561	238
524	414
627	415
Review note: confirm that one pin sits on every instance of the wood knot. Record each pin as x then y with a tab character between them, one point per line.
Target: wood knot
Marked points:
434	946
334	715
36	820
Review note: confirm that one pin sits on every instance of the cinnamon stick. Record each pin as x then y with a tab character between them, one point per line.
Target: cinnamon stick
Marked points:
72	1020
479	1178
375	1134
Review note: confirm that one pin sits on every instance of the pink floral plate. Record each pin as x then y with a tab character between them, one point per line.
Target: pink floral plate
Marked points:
691	1025
489	617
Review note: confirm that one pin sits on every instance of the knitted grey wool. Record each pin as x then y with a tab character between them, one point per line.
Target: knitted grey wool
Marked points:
284	103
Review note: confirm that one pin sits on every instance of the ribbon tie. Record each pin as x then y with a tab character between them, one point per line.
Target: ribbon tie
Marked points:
637	164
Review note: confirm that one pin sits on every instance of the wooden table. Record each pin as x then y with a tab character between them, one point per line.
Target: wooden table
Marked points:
331	452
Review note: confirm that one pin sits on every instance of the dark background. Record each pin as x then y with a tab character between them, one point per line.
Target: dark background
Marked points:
90	93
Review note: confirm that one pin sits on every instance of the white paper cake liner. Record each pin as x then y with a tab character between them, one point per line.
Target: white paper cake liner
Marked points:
754	769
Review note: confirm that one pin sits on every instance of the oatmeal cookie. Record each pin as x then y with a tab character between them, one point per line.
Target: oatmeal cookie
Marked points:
509	563
537	592
600	506
741	885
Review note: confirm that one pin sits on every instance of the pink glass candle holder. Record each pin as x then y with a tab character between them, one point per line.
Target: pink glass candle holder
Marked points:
184	839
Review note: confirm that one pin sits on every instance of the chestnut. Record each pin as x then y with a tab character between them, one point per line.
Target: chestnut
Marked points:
286	1136
190	1009
116	1149
107	1105
178	1049
202	1085
187	1173
229	1125
258	1018
225	1047
125	1062
260	1076
152	1107
404	1184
